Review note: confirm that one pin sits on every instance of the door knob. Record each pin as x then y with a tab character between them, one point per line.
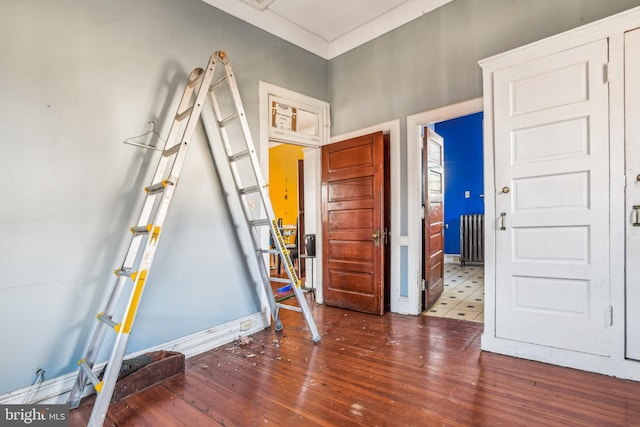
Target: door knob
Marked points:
376	237
505	190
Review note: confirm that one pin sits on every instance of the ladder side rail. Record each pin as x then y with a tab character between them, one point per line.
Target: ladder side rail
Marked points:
112	371
103	399
222	165
235	92
98	336
257	171
194	118
237	179
196	75
231	165
150	199
266	201
147	209
166	197
143	219
266	207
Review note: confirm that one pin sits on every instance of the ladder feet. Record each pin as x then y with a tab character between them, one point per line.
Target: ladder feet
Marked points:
278	325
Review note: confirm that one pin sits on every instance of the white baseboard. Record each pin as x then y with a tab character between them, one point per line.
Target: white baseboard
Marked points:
56	390
451	258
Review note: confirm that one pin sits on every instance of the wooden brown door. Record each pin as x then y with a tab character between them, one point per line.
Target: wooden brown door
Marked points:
352	221
433	222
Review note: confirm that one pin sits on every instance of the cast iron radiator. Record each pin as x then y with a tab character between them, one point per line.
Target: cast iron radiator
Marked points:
471	239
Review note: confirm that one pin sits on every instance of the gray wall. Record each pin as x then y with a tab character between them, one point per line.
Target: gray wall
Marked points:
433	60
76	78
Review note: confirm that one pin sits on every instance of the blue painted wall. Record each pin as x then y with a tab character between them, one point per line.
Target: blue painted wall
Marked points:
462	172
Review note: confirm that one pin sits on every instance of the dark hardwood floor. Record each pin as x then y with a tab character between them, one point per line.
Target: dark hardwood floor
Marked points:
374	371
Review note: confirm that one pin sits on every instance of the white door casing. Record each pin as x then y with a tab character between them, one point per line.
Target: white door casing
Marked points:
313	223
632	150
552	185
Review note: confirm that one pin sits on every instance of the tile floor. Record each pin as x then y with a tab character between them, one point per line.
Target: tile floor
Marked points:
463	295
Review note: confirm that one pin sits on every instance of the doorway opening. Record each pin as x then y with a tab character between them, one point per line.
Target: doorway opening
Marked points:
287	194
454	190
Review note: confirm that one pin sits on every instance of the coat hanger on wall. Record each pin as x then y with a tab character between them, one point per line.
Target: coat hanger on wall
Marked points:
152	131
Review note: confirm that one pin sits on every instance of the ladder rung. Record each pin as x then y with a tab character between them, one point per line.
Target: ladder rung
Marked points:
268	251
249	190
259	222
279	280
127	273
157	187
141	229
238	156
181	116
232	118
290	307
108	321
221	81
171	151
121	272
92	376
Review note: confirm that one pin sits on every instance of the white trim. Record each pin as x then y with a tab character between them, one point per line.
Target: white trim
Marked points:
398	304
397	17
274	24
266	90
451	258
414	188
620	368
279	26
56	390
596	30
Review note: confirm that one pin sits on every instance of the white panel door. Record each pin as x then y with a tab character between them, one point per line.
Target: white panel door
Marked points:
632	146
552	201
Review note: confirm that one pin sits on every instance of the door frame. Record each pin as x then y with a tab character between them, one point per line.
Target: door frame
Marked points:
411	304
312	169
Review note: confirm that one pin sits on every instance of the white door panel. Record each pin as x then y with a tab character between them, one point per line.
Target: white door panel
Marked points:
632	146
558	140
552	178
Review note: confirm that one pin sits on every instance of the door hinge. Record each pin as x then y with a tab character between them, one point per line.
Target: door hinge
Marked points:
610	315
423	285
606	73
422	212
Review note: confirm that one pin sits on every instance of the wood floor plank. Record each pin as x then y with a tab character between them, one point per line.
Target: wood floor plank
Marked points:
368	370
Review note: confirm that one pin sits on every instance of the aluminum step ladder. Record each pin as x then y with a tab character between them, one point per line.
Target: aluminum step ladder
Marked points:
228	148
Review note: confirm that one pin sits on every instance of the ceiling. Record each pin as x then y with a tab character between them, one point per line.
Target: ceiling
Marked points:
327	28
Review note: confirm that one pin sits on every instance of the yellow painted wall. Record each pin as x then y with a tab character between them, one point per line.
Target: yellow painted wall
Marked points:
283	174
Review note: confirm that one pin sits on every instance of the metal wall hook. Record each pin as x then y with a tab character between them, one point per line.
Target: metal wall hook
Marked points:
151	131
